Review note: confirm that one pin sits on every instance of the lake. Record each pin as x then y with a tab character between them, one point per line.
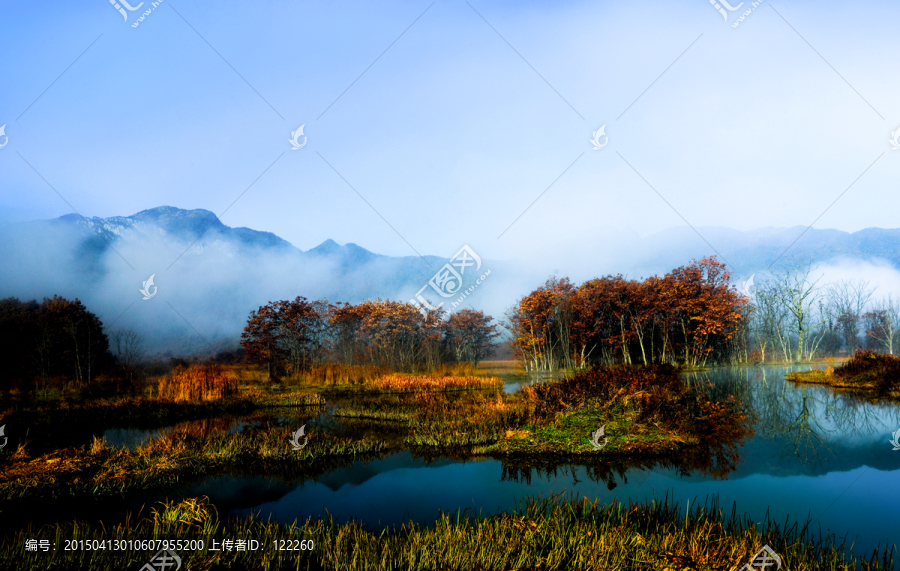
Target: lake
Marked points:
815	454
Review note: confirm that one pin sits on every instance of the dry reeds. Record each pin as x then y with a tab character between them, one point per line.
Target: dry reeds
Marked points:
197	383
404	383
338	374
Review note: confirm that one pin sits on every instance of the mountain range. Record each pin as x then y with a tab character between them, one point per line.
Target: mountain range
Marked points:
211	275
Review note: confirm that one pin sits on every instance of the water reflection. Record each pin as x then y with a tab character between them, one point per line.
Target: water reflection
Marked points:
814	453
813	428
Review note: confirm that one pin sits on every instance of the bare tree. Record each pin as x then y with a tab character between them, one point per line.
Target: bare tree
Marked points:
882	322
129	350
797	292
847	299
770	322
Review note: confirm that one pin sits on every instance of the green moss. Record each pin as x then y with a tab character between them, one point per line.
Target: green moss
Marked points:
571	433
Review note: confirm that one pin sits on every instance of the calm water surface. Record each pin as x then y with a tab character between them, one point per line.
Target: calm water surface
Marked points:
814	455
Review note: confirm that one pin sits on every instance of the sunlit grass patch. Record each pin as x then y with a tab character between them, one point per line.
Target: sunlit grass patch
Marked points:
865	371
100	469
547	534
412	383
373	413
570	433
288	399
196	383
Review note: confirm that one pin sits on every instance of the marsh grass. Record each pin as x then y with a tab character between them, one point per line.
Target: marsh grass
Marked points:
197	383
417	383
52	426
644	410
292	399
405	417
865	371
101	469
546	534
338	374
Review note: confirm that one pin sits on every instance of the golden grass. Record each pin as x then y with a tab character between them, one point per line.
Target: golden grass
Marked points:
99	468
197	383
338	374
546	534
415	383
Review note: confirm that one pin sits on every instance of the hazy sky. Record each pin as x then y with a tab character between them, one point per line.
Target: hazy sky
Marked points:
432	125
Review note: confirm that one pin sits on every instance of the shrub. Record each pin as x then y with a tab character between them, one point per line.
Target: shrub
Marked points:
866	367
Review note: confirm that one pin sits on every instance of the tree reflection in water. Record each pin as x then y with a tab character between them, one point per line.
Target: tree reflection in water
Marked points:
809	424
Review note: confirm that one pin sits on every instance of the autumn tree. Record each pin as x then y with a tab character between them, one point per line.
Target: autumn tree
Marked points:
469	336
684	316
541	325
261	338
847	300
303	331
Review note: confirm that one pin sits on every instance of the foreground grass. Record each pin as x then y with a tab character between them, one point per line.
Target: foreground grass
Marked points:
866	372
545	534
100	469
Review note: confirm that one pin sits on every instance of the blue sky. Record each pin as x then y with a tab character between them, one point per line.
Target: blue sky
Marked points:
454	131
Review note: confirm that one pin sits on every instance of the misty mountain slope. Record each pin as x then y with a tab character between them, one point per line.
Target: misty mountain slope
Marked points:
209	276
755	250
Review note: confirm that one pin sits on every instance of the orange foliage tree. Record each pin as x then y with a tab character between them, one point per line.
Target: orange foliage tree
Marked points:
683	317
300	335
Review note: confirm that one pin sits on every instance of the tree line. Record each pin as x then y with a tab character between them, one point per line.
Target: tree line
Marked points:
692	316
290	336
687	316
794	316
56	338
695	316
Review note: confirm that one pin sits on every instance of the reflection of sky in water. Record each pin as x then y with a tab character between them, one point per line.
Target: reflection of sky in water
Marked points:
815	454
402	488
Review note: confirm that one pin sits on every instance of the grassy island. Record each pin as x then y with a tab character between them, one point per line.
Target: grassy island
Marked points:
866	372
